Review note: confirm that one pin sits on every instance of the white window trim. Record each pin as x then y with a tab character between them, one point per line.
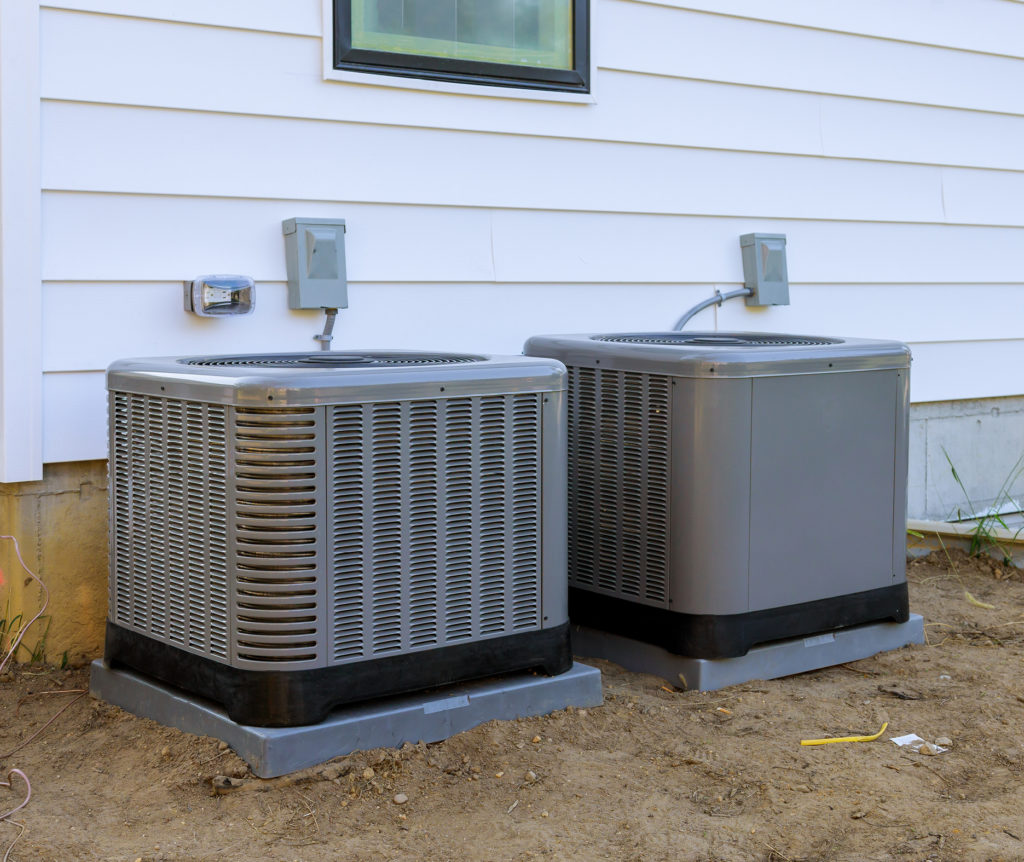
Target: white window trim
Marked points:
21	326
423	84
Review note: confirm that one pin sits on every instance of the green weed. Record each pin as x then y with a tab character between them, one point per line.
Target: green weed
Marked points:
983	538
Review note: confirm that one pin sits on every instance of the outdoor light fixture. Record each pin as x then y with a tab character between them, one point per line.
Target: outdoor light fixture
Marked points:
219	295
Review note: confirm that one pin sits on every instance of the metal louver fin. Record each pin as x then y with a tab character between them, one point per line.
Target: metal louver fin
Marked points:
619	474
278	549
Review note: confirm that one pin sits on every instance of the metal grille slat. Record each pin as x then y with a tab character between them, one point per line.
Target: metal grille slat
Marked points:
435	508
619	483
386	527
348	561
422	492
490	573
278	560
169	521
120	586
583	479
460	493
525	523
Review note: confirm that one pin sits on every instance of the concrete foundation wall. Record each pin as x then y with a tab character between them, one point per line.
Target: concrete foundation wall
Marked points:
61	527
984	440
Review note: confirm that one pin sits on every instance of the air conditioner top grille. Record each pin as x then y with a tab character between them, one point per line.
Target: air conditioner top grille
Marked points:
331	359
718	339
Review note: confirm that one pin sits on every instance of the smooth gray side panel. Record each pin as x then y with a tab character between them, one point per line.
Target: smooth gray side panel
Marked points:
821	497
710	496
553	503
900	480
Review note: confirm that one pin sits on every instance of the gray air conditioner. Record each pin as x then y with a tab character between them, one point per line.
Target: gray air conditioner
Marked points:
730	489
294	532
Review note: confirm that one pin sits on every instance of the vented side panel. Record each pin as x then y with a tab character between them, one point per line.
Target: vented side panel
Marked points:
168	515
435	522
278	563
619	474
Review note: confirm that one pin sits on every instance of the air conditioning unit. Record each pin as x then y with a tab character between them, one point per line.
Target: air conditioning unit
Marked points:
294	532
731	489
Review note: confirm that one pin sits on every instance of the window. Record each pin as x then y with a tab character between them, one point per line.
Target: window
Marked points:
538	44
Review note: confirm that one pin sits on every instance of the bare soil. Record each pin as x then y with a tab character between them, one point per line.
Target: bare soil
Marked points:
653	774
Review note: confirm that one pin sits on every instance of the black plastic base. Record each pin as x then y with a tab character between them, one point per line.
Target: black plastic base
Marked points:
288	698
732	635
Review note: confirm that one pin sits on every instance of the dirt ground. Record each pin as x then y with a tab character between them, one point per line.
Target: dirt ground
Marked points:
653	774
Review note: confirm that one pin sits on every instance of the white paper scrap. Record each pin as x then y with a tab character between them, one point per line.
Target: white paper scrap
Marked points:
914	742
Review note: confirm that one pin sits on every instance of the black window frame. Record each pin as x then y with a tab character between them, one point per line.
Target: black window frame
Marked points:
575	80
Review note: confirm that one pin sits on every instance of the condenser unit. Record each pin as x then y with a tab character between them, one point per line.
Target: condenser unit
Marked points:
294	532
731	489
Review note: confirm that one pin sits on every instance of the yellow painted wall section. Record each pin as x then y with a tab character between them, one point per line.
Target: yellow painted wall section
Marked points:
61	526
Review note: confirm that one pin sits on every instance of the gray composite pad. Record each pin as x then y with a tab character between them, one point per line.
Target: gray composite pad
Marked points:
769	661
433	716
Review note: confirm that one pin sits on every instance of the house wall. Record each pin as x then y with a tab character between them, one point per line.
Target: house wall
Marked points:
886	142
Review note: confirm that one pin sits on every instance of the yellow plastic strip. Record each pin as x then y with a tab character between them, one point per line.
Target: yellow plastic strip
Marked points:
845	738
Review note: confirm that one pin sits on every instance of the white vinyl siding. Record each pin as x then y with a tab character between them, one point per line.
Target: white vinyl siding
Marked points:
177	135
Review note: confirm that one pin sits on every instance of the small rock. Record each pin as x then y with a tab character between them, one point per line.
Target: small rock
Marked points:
333	772
582	713
543	814
858	815
223	746
165	752
368	773
944	741
474	769
927	748
499	774
224	783
535	739
802	788
400	799
531	776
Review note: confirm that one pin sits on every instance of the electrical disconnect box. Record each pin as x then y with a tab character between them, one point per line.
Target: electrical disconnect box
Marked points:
764	268
315	253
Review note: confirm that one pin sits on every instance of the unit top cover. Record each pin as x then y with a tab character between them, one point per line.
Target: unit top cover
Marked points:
331	377
720	354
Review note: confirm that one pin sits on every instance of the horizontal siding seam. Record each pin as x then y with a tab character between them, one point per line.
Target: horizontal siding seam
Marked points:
660	3
514	284
179	21
796	25
827	93
774	216
454	130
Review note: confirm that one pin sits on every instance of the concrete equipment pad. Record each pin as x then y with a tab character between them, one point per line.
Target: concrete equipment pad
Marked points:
768	661
431	717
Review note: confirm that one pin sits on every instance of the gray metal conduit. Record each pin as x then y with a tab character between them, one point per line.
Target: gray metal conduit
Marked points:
717	299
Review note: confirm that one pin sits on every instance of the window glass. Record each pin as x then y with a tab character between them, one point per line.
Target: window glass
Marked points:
516	32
